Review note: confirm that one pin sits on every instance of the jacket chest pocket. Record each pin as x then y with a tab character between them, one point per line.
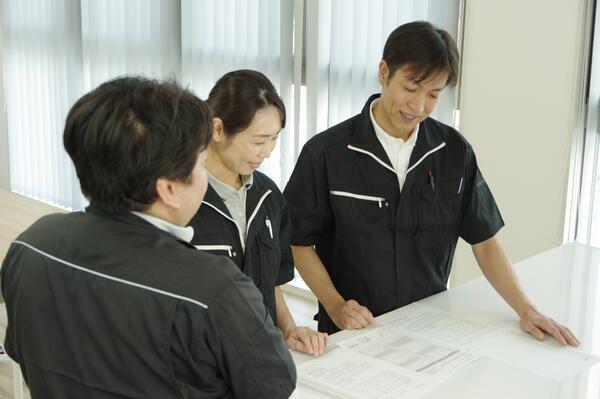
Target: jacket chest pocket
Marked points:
269	255
439	212
218	242
361	219
218	249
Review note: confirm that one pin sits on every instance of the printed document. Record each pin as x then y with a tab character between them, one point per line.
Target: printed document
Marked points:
343	373
406	354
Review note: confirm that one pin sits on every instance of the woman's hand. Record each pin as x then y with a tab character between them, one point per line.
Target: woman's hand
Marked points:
303	339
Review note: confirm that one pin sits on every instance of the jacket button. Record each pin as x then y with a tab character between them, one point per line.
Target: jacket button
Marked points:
234	254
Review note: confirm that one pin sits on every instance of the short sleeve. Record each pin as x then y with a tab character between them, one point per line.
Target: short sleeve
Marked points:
481	217
307	198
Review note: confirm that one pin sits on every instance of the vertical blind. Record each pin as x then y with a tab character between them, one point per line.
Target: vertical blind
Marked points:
321	55
129	37
345	40
43	77
224	35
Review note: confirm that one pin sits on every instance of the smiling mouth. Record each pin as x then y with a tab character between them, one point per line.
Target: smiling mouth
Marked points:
408	117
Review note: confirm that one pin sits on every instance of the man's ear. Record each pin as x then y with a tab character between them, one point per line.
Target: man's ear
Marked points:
218	135
384	72
167	191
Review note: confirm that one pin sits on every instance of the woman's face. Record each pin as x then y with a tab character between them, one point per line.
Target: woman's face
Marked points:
243	152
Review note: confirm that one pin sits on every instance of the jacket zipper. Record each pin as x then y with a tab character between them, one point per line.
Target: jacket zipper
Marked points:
227	248
379	200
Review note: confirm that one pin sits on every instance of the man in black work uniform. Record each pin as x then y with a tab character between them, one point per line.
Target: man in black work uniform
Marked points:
384	196
114	302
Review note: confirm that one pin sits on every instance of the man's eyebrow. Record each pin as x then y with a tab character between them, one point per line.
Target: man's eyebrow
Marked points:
412	81
420	84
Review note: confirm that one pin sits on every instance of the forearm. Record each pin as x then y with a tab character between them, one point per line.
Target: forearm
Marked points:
285	321
497	268
315	275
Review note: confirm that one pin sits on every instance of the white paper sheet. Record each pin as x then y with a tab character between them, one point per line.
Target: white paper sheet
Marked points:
408	352
394	345
346	374
438	326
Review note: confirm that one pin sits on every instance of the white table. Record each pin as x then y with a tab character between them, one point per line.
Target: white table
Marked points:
564	283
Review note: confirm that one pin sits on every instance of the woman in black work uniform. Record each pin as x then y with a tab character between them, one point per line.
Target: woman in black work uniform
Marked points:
244	215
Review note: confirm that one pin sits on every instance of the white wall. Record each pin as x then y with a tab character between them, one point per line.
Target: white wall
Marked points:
4	168
520	63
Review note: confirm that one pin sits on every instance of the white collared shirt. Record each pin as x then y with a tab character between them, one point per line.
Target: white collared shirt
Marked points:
183	233
397	150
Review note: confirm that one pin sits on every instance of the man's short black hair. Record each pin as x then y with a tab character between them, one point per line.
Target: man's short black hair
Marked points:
424	49
130	131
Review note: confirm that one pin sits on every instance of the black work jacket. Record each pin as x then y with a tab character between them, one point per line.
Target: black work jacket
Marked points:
382	247
103	306
267	259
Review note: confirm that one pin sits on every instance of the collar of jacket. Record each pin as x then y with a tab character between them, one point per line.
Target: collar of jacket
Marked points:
364	139
253	196
132	219
211	197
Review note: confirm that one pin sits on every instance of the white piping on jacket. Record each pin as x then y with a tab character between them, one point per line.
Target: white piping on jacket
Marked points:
229	218
256	210
439	147
131	283
385	165
428	153
262	199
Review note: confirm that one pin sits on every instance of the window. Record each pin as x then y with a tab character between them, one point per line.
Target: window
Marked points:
345	39
583	202
57	50
43	76
322	55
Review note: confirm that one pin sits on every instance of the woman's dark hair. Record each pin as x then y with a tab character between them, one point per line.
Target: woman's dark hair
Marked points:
237	96
424	49
130	131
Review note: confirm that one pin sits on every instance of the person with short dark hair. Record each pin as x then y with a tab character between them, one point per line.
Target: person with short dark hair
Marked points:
244	216
114	302
384	196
